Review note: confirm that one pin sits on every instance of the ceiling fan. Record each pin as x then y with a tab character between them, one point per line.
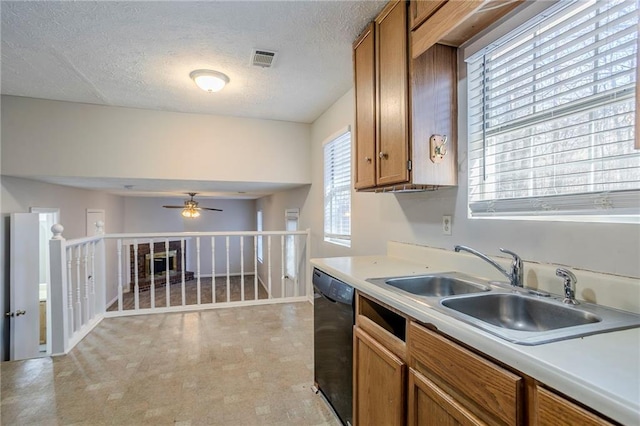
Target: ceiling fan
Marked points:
190	207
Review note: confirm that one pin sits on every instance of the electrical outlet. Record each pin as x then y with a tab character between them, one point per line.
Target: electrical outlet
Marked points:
446	225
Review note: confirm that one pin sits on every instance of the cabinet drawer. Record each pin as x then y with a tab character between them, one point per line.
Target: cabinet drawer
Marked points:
491	392
552	409
430	405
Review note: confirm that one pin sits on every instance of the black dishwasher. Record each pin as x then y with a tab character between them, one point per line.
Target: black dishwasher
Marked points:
333	317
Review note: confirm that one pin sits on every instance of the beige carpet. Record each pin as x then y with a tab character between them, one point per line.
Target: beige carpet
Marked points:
191	294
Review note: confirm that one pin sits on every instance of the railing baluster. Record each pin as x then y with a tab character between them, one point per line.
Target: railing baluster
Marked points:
152	270
167	285
282	275
92	304
255	267
136	287
269	265
296	283
184	266
198	269
70	291
78	309
85	264
213	269
119	275
228	276
241	268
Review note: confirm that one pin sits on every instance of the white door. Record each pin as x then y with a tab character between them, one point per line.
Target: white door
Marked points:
24	277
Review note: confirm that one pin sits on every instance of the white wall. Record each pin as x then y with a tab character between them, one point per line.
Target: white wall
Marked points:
416	218
144	214
18	195
53	138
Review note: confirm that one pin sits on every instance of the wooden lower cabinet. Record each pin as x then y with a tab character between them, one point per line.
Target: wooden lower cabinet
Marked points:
379	383
431	406
553	409
405	372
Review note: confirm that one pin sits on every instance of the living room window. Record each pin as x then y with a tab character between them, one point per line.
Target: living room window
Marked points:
337	189
552	117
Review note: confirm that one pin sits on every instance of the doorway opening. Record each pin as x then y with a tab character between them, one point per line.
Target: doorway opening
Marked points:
47	218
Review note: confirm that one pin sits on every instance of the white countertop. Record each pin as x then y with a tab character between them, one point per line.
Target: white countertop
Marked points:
601	371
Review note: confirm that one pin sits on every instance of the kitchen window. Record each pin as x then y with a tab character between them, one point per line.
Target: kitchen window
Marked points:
552	117
337	189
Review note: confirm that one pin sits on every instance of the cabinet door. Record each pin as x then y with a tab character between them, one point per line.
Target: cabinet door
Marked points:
552	409
420	10
379	385
392	96
430	405
365	87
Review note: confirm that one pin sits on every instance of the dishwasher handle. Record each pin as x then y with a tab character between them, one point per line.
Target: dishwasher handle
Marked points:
328	298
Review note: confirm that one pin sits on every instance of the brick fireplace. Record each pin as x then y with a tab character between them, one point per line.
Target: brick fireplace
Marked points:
160	261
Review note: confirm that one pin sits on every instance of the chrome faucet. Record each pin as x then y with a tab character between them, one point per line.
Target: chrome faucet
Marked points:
570	281
516	276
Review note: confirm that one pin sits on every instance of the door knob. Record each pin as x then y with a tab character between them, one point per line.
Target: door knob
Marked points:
18	313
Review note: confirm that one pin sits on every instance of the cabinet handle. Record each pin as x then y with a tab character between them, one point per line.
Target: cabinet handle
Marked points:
367	159
19	312
383	154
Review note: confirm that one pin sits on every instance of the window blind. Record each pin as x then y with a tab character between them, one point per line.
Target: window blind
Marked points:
552	115
337	190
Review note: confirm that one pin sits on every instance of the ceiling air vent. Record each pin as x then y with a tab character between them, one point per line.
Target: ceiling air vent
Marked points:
263	58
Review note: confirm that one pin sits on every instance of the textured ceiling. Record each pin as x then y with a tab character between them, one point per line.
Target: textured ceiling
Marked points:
139	54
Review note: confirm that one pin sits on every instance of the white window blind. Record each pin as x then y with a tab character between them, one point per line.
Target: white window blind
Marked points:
551	115
337	190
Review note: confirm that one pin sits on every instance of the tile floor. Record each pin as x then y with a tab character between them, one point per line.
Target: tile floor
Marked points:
235	366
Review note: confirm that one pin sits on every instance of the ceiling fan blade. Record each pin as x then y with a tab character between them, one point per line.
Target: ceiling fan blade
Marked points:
209	208
173	207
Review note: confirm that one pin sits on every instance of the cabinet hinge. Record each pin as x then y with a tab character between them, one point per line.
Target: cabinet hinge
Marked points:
409	165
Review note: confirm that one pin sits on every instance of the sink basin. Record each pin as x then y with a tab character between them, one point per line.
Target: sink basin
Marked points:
518	312
436	285
532	320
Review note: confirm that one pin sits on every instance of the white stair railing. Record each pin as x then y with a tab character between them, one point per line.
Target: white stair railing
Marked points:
133	274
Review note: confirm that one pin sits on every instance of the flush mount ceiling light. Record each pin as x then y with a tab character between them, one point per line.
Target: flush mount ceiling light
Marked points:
208	80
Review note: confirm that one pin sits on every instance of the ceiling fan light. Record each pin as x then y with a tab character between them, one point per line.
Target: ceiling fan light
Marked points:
209	80
190	213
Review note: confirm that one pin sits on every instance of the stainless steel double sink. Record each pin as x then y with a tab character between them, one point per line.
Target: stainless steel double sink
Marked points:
515	314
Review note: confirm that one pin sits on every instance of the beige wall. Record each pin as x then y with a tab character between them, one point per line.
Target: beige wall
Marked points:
416	218
18	195
52	138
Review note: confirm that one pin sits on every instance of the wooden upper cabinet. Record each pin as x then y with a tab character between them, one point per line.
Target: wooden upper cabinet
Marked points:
453	22
365	91
419	11
434	111
392	94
